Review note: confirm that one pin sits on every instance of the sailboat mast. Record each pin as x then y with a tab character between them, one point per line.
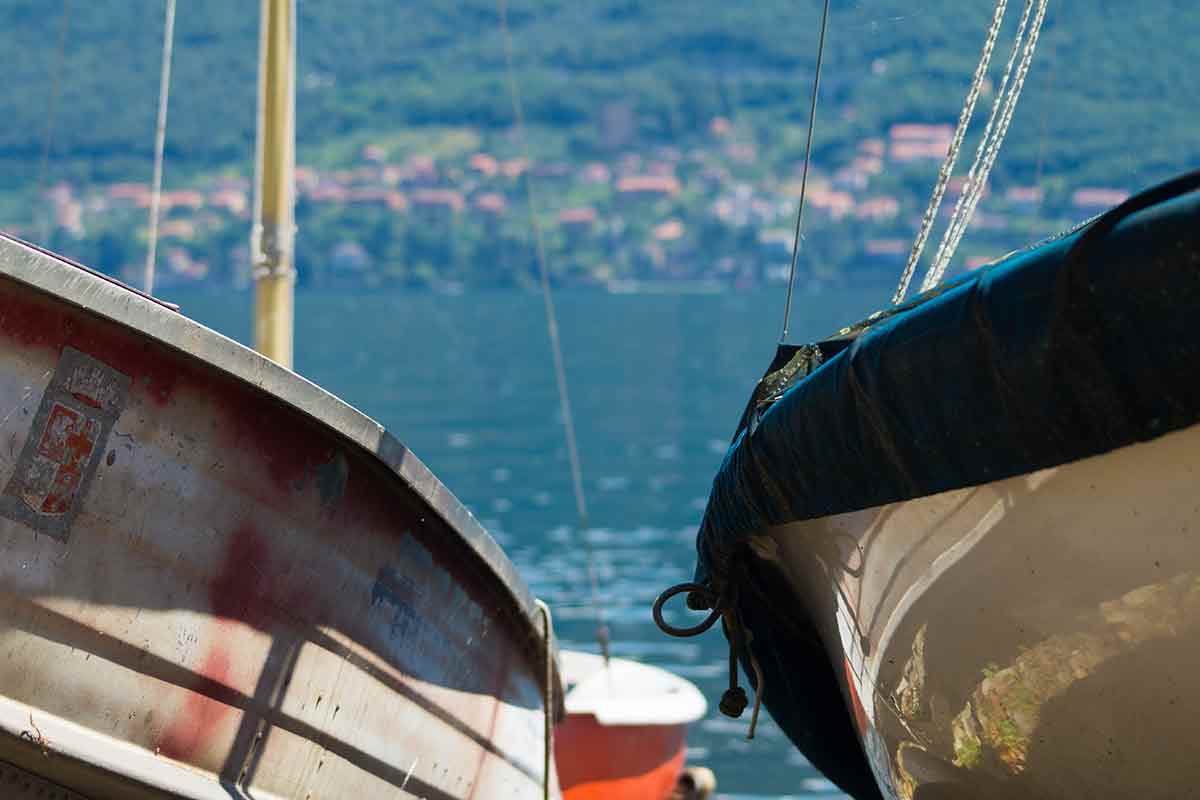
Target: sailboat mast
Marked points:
273	235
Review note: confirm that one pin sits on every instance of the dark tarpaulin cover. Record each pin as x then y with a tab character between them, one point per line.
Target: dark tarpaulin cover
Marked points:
1073	348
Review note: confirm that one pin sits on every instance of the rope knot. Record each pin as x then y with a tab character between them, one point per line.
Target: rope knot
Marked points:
734	702
720	607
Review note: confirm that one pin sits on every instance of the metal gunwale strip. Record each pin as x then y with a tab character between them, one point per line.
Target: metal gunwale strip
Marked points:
98	294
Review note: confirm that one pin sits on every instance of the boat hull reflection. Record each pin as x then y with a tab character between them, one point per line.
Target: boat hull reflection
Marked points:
1035	637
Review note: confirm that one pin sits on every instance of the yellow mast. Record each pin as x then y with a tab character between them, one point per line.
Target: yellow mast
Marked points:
273	235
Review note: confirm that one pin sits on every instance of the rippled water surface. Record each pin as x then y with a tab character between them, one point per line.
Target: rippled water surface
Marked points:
658	382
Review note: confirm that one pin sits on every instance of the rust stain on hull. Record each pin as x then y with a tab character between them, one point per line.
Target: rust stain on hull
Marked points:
245	592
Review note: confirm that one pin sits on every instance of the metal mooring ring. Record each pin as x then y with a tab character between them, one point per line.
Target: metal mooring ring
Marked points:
695	630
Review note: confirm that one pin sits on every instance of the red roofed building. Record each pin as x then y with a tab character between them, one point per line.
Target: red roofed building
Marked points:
648	186
328	192
515	168
576	221
878	209
1095	199
906	151
492	204
437	201
484	164
871	147
184	198
956	185
834	203
136	193
232	199
669	231
1026	196
182	229
742	152
918	132
868	164
420	169
912	141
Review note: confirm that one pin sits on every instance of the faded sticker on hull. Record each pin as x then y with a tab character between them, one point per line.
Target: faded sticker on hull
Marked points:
64	446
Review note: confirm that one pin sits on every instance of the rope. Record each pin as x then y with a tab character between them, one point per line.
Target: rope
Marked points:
48	134
973	176
560	372
160	140
812	117
723	607
964	119
548	699
959	226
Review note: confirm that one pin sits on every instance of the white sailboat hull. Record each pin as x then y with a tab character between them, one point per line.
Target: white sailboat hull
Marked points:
1034	637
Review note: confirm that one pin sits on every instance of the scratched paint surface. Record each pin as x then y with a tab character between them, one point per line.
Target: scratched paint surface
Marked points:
240	591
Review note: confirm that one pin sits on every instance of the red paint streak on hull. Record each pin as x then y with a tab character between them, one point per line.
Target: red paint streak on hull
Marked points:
275	453
201	716
860	714
235	596
33	320
236	592
598	762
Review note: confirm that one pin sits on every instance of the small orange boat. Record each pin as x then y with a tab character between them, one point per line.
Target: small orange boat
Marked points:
624	736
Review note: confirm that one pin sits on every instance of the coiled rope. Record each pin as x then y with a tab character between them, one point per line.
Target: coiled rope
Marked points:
160	140
724	608
964	120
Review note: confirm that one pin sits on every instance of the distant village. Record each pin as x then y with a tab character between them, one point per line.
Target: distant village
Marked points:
709	214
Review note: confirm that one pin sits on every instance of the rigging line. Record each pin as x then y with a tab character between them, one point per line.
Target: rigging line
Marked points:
48	134
964	119
812	118
1043	123
984	142
160	140
1001	131
560	372
1010	108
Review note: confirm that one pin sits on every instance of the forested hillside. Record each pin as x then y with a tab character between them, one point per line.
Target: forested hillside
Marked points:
1111	101
1103	67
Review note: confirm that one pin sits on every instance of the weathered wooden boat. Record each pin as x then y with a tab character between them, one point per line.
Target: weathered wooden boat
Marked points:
624	733
220	580
956	547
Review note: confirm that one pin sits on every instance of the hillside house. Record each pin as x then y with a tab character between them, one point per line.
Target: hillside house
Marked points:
436	204
648	186
1093	200
577	222
878	209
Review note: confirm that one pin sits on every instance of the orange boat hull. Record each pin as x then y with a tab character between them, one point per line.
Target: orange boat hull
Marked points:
611	762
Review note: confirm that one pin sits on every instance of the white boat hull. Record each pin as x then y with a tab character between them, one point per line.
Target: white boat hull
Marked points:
1036	637
218	579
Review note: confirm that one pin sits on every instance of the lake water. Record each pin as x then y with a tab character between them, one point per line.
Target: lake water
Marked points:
658	382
